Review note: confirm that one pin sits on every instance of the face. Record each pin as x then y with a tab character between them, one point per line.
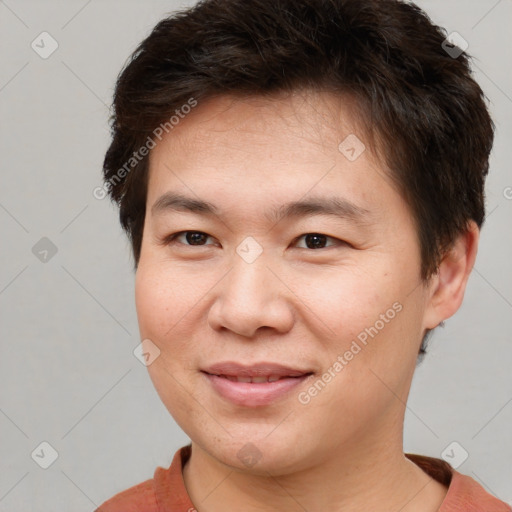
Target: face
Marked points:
279	277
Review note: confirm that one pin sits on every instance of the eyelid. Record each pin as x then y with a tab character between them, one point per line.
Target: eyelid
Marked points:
169	239
337	241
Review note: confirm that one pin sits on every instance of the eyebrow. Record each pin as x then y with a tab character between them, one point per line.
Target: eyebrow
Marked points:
333	206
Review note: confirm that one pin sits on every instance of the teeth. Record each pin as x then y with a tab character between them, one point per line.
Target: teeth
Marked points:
256	380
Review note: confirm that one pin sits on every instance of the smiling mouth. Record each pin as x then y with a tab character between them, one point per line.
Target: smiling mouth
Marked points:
258	379
254	385
252	389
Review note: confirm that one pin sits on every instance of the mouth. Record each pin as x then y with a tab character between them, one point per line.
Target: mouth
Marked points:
257	380
254	385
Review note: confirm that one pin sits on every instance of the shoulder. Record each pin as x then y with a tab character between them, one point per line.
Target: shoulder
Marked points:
464	493
136	498
165	491
467	494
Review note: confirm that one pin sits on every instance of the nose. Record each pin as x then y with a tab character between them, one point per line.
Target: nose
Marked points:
251	297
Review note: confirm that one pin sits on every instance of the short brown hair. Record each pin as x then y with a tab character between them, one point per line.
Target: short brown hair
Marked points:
422	104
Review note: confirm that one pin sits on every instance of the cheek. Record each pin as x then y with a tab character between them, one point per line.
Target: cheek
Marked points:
152	303
162	298
345	300
162	305
372	325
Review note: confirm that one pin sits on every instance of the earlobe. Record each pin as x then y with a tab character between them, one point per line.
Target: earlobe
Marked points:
449	284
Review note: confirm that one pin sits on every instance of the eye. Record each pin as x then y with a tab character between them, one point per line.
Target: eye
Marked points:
188	238
317	241
306	241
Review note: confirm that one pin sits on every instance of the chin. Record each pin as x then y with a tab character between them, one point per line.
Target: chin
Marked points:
261	456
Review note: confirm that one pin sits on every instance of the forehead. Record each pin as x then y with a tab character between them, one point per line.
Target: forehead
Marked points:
269	149
320	118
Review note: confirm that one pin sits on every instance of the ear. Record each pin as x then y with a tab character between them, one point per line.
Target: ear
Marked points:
447	286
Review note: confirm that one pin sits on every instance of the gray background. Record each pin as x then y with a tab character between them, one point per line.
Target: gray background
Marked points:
68	325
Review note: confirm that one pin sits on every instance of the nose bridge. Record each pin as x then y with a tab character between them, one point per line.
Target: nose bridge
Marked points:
251	297
248	281
249	274
247	290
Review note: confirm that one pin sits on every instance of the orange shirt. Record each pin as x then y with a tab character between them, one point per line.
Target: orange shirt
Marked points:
166	492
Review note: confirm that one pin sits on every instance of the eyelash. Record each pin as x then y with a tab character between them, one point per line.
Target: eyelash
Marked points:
169	240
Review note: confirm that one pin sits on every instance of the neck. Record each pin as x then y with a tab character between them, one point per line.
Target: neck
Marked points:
370	474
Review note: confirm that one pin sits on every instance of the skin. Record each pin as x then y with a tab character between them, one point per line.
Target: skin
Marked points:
303	307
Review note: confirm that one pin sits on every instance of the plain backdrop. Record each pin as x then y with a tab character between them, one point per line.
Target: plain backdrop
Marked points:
68	324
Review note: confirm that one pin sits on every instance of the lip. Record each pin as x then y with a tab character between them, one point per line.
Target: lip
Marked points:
254	394
263	369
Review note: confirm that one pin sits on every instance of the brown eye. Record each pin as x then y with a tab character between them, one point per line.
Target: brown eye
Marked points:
188	238
195	237
315	241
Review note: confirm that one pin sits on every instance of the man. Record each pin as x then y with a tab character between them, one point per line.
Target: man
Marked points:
303	210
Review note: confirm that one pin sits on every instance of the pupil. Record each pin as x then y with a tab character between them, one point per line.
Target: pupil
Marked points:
195	238
315	241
